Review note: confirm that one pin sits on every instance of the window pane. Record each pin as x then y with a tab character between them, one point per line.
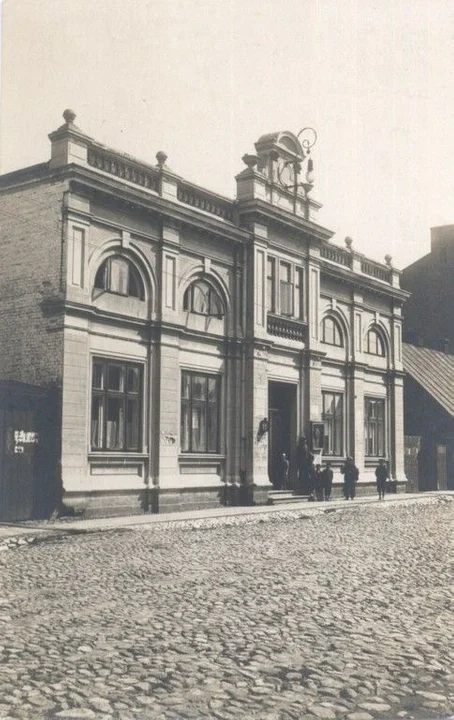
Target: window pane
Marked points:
134	283
199	436
98	375
333	420
133	379
328	331
115	423
115	378
375	427
328	403
119	271
186	386
271	285
199	386
199	413
286	298
185	427
212	428
200	298
284	272
97	422
215	305
212	390
299	293
132	424
101	277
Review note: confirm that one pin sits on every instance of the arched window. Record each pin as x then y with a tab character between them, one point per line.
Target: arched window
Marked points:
202	299
118	275
331	332
375	344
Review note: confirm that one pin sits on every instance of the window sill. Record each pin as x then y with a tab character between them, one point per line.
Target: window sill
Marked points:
370	460
123	455
202	458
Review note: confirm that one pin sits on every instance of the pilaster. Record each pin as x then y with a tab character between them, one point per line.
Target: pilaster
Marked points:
170	249
310	389
168	391
355	412
256	396
395	383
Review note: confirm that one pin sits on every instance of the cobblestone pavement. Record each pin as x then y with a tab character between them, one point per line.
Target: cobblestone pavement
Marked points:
341	615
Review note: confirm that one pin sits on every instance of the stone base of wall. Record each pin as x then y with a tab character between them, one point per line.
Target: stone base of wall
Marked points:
365	489
115	503
105	503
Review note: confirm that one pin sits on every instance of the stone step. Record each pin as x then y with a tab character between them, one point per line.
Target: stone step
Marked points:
279	497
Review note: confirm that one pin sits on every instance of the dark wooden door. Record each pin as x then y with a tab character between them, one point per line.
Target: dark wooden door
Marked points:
442	468
18	442
275	444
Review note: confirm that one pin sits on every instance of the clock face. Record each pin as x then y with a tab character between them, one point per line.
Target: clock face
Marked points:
286	174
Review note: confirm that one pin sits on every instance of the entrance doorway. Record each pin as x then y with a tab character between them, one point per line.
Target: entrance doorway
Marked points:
282	432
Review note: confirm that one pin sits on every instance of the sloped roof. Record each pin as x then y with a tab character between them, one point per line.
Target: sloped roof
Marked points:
434	371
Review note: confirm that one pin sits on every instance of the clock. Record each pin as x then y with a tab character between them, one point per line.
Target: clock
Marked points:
287	173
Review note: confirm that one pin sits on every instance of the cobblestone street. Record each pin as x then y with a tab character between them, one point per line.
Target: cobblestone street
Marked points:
342	615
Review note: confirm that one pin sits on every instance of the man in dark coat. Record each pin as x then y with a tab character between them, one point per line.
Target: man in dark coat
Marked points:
351	474
284	468
381	474
327	481
318	483
303	463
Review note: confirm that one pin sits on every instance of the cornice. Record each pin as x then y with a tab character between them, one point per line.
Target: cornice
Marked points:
262	211
363	281
87	181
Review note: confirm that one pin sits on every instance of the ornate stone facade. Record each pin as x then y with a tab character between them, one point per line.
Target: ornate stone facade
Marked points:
195	337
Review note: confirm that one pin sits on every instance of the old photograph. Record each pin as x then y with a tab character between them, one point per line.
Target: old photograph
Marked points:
226	359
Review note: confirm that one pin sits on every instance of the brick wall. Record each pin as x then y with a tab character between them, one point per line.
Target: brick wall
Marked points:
31	346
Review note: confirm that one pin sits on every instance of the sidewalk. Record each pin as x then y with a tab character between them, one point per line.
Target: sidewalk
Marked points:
75	526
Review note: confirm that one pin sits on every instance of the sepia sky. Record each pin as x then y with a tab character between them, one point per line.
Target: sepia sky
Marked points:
203	79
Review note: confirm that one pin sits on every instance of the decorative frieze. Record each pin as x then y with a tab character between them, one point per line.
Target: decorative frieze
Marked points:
205	201
286	327
337	255
368	267
124	169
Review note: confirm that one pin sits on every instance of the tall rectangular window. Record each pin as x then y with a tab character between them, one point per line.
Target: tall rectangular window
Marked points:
285	289
374	428
333	420
271	284
116	405
199	413
299	294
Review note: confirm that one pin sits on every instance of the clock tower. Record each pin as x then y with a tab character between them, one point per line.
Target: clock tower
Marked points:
281	172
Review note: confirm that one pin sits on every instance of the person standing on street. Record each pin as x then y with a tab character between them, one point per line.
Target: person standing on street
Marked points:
351	474
318	483
303	467
327	481
381	474
284	471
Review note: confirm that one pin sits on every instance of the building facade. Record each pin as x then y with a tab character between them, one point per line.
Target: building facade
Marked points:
193	338
428	360
429	316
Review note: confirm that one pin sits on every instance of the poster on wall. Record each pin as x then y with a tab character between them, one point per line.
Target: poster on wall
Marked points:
317	436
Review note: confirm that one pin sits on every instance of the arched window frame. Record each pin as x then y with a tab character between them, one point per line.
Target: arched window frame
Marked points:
337	337
201	298
375	344
118	275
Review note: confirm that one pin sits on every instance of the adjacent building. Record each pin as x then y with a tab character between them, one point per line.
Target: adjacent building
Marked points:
191	338
429	364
